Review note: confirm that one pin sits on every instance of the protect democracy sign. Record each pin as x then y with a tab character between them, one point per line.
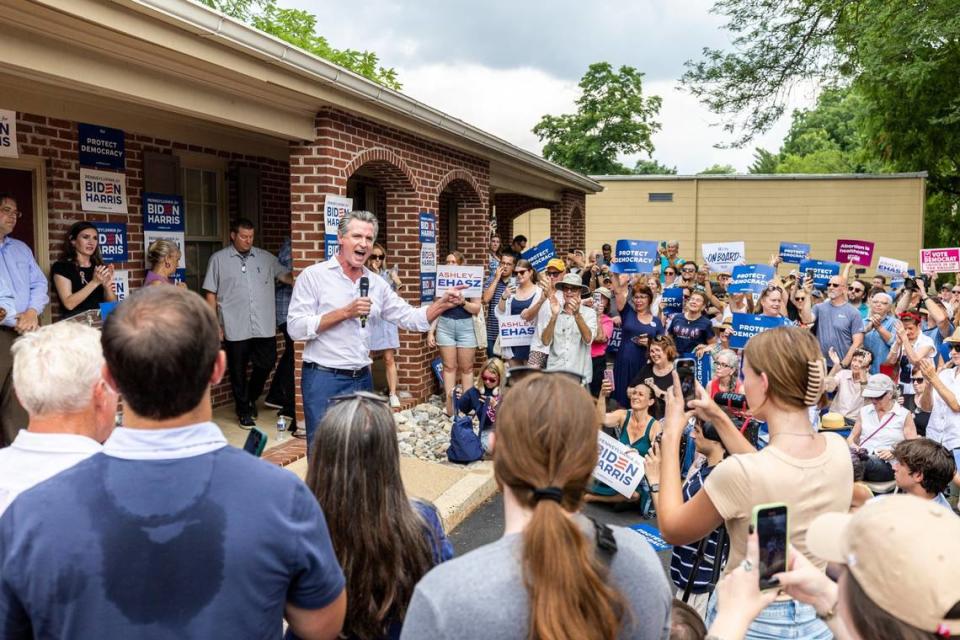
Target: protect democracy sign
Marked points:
940	260
745	326
794	252
858	252
634	256
101	147
891	266
750	278
103	191
671	300
540	255
113	241
722	257
619	466
334	208
822	270
516	332
450	276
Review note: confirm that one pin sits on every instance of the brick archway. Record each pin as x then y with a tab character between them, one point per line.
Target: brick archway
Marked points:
459	192
378	156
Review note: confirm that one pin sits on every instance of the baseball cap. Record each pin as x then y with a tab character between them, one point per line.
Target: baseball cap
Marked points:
606	293
904	552
557	264
877	385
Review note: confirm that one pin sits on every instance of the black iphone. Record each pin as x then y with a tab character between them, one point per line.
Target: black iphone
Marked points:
771	523
687	371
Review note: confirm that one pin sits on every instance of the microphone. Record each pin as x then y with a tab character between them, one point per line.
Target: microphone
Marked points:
364	292
730	400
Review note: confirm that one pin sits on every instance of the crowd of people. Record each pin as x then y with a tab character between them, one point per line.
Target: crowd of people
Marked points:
847	399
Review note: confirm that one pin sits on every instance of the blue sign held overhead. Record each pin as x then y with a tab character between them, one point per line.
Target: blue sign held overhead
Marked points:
823	270
671	300
540	255
750	278
745	326
652	535
113	241
635	256
613	345
794	252
101	147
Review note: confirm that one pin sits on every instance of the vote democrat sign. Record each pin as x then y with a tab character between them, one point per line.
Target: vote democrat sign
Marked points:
722	257
101	147
450	276
540	255
794	252
103	191
750	278
940	260
516	332
745	326
113	241
856	251
635	256
334	209
822	270
619	466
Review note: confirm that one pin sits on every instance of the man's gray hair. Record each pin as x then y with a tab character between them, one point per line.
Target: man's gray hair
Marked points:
56	367
362	216
885	295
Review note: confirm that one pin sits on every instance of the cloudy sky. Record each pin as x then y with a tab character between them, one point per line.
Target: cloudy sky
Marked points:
502	65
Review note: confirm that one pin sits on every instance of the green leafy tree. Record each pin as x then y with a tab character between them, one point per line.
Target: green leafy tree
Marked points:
718	169
652	167
299	28
764	161
613	118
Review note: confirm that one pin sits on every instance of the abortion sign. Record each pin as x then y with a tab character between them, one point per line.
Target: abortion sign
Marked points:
619	466
856	251
750	278
794	252
334	208
891	266
516	332
450	276
822	270
113	241
103	191
940	260
540	255
722	257
745	326
635	256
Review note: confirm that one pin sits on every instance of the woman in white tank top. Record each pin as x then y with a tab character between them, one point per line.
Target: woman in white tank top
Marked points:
881	425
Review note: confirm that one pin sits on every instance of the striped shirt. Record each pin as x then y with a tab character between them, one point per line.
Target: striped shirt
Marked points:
493	325
683	558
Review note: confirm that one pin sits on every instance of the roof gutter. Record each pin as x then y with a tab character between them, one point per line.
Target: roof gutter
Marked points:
206	21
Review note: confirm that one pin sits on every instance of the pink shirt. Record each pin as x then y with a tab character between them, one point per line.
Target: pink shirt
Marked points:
600	348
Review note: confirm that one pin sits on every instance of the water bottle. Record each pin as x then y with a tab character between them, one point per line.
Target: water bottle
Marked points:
281	428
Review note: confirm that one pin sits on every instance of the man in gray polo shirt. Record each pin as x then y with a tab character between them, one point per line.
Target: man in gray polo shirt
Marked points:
239	288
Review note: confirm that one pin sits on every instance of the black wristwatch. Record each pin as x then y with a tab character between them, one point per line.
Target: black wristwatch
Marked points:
655	488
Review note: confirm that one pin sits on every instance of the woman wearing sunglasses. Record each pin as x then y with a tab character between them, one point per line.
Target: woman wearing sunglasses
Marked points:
384	541
554	573
383	335
882	423
520	299
482	400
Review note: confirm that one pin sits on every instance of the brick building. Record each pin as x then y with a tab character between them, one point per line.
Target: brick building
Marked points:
242	124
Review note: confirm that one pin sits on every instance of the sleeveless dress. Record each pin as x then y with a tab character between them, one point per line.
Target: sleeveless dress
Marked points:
631	357
641	445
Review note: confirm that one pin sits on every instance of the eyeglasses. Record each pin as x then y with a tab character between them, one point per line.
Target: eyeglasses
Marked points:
517	374
11	212
917	380
724	364
376	256
490	378
800	298
955	346
855	289
520	272
554	274
357	395
773	287
833	285
669	273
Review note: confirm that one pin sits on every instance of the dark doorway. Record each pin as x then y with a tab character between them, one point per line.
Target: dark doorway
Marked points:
20	183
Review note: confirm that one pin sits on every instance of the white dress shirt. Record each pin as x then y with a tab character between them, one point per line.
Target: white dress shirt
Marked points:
323	288
568	350
35	457
944	425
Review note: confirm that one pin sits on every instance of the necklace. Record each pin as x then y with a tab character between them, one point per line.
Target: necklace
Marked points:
799	435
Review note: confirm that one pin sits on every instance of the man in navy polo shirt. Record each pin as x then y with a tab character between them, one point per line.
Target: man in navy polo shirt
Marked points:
168	532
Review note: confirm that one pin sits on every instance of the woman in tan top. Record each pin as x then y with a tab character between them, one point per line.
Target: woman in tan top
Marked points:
784	373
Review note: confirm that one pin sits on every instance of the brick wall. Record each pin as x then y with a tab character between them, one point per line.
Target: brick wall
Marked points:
567	219
56	141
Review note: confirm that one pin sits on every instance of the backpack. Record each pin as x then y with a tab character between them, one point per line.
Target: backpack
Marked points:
465	444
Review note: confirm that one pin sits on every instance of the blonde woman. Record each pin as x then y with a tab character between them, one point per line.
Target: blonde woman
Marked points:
164	258
483	399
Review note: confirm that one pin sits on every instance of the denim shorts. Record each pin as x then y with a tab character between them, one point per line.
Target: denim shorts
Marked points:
456	333
781	619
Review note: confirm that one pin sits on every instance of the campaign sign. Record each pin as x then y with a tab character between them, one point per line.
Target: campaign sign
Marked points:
897	282
940	260
121	283
613	344
891	266
437	365
334	208
859	252
745	326
540	255
516	332
101	147
652	535
450	276
823	270
162	212
671	300
722	257
794	252
635	256
103	191
428	256
113	241
750	278
619	466
8	134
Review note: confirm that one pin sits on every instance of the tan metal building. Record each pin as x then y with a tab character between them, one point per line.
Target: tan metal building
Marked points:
761	210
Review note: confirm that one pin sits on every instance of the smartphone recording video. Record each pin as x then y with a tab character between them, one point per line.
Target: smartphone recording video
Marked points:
770	521
687	371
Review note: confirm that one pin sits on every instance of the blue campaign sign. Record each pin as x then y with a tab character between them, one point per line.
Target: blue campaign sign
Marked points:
540	255
428	257
652	535
896	283
745	326
822	271
794	252
101	147
613	345
671	300
437	365
162	212
112	240
635	256
750	278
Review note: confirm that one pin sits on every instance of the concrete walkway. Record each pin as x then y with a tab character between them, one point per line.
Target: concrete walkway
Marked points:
456	490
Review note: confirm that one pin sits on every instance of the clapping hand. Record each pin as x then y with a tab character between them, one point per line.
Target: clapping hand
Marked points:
834	356
926	368
554	306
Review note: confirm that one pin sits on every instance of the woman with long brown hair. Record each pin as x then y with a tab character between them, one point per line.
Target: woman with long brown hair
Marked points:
555	574
384	541
80	276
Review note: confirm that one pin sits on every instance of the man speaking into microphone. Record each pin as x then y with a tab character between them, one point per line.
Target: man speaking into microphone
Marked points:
330	304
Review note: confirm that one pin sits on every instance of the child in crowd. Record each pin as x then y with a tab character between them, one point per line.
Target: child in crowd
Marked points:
483	398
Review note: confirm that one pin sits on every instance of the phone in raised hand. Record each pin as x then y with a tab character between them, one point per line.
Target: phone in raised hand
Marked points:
771	522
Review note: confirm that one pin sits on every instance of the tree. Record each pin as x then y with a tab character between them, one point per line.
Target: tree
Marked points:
298	27
764	161
652	167
718	169
613	117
